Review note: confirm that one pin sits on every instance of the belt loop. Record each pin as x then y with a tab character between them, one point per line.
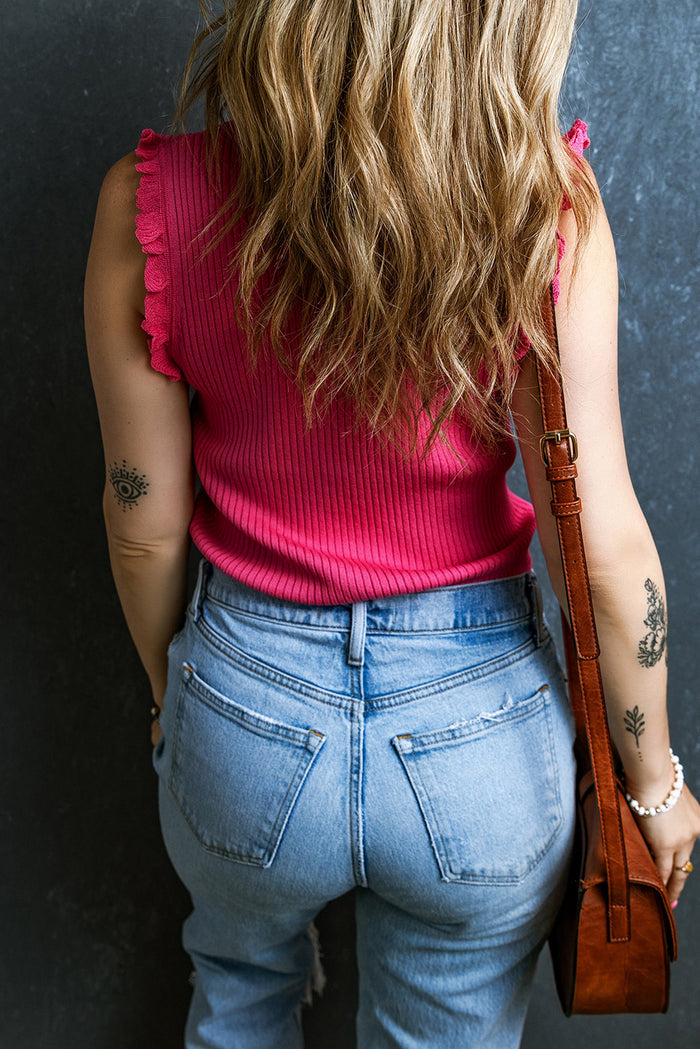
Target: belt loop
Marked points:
358	629
536	606
196	602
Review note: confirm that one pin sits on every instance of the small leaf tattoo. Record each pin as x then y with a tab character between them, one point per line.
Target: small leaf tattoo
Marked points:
653	645
634	723
128	484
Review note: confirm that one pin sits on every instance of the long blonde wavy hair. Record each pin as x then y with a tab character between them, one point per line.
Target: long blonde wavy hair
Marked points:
401	173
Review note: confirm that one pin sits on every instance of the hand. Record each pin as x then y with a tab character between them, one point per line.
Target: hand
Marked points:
671	837
156	731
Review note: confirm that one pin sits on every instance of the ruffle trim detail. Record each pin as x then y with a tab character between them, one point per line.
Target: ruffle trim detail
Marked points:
150	230
577	137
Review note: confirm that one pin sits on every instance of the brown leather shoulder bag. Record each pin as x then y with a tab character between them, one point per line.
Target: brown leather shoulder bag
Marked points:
615	934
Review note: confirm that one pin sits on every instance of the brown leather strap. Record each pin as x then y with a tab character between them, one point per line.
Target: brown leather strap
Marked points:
559	449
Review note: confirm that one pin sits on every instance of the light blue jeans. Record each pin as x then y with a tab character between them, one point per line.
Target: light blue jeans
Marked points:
417	748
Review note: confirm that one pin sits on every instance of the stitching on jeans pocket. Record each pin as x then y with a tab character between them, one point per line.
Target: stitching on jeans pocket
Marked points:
236	774
488	790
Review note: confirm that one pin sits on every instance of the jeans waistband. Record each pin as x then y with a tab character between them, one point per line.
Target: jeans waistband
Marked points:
444	608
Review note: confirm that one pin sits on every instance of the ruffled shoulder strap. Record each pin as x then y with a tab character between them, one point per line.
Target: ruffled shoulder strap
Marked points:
151	231
577	137
578	140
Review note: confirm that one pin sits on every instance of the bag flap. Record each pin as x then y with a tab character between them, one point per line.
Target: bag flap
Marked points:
640	862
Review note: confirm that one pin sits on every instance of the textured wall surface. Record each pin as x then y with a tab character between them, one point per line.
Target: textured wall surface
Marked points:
90	909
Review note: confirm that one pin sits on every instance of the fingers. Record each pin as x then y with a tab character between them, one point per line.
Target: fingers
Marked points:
669	866
677	878
664	863
156	732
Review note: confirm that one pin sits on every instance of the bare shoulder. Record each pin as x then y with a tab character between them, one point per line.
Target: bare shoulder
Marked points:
118	192
116	256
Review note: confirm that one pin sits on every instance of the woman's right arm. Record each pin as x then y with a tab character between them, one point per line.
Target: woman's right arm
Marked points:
626	577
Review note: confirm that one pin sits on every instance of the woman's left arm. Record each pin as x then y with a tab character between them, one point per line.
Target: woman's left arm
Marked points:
146	434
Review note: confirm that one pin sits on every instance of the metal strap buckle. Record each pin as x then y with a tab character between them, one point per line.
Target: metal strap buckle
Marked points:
558	436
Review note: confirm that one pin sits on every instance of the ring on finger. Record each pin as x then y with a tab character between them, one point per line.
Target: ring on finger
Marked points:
687	867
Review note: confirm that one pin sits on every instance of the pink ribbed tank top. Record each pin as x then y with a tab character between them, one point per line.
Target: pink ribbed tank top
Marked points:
325	517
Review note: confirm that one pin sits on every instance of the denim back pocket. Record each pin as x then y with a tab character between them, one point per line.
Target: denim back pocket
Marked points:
488	789
236	774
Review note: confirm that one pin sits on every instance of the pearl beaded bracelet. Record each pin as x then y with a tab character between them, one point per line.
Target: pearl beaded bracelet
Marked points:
669	801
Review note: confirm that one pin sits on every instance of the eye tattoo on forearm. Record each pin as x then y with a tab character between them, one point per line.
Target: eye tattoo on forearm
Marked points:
653	645
128	484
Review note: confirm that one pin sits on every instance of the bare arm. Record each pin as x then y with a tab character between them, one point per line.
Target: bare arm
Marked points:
146	433
626	576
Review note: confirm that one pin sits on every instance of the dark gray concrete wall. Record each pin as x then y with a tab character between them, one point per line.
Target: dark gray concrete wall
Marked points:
90	909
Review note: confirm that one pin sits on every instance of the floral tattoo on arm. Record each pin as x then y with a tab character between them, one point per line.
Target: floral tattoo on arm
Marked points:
127	483
654	643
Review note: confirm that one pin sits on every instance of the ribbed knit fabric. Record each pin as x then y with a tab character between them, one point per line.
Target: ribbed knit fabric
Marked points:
325	517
